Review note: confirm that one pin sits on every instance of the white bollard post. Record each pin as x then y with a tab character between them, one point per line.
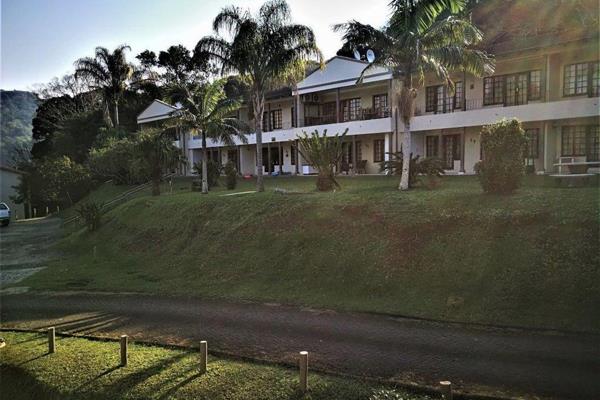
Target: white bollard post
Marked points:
123	350
47	210
203	356
51	340
446	390
303	361
34	212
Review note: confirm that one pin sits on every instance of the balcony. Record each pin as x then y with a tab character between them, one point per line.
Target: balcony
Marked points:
477	114
363	114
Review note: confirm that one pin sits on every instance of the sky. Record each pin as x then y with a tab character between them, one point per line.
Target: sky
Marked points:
40	39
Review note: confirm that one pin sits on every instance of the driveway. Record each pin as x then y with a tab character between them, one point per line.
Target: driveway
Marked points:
26	246
500	362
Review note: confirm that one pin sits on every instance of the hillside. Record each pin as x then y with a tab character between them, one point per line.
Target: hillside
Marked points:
453	254
16	112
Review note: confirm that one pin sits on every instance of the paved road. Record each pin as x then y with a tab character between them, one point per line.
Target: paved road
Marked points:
26	246
499	361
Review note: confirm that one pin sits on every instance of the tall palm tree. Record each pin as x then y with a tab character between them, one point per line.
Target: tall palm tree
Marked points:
108	73
207	109
422	36
156	151
266	50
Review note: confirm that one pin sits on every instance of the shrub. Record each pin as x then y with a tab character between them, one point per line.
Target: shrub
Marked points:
386	394
502	167
230	175
431	167
91	215
213	172
323	153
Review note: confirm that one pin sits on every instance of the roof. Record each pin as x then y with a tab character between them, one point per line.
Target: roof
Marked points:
157	110
341	71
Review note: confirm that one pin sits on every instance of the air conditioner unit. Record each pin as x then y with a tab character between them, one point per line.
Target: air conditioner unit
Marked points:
310	98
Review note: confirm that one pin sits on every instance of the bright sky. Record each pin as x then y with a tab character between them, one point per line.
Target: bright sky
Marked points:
41	39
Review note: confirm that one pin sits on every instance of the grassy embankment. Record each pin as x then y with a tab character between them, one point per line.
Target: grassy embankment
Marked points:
454	253
85	369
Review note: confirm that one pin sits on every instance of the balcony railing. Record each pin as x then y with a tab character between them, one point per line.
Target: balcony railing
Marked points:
361	115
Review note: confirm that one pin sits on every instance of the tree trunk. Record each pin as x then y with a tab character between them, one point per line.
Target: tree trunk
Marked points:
116	114
106	116
405	179
204	165
407	110
259	105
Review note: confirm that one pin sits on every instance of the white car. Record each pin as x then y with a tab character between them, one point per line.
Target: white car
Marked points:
4	214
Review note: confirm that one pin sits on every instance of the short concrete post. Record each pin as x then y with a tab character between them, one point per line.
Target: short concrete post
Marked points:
34	212
57	208
51	340
203	356
303	361
47	210
446	390
123	350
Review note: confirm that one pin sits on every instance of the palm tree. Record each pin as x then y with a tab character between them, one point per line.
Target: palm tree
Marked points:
108	73
266	50
207	109
422	36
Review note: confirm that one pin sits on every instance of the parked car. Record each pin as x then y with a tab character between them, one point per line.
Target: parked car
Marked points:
4	214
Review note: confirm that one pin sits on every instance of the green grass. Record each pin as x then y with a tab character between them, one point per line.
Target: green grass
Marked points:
454	253
86	369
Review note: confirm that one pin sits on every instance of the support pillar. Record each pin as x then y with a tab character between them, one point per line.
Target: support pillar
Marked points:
337	105
463	137
354	160
269	165
297	158
280	158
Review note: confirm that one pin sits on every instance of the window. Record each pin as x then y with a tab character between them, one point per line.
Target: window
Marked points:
276	119
514	89
535	85
432	146
582	78
265	122
293	111
351	109
593	143
380	105
328	112
595	79
378	150
293	154
533	143
440	99
573	140
459	95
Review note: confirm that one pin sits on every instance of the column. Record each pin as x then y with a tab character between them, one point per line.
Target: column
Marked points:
463	137
354	160
296	156
280	158
268	158
337	105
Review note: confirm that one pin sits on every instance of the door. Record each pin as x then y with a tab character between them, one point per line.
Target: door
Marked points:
450	150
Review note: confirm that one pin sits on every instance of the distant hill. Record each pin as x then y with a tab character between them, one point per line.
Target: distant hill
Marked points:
16	112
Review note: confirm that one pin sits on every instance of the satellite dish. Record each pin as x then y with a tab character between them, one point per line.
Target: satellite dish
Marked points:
356	54
370	56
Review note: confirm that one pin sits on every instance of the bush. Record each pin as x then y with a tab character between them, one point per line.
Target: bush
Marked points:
213	172
431	167
502	167
230	175
91	215
323	153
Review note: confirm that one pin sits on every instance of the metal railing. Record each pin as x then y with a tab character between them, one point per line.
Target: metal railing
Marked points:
362	114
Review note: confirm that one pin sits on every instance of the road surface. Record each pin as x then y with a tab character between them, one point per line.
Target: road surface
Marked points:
476	359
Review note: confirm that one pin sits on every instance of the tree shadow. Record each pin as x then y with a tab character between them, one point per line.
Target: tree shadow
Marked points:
179	385
32	359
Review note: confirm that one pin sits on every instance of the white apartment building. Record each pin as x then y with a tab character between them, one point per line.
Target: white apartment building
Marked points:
552	87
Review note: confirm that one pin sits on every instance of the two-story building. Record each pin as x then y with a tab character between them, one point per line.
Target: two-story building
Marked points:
550	82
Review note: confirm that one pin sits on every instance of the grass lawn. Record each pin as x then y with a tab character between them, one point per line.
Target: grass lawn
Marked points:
85	369
453	253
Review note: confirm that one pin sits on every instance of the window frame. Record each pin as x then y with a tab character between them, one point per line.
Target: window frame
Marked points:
378	108
591	89
276	119
350	105
435	145
533	137
500	82
378	147
448	103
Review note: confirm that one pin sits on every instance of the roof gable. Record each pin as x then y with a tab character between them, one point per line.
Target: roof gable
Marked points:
157	110
341	71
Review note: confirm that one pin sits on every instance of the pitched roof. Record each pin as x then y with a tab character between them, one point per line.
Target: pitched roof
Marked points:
156	111
340	72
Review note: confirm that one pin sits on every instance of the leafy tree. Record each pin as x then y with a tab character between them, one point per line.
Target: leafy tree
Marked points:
230	175
422	36
156	152
266	50
16	113
109	73
116	159
207	110
502	167
323	153
91	215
